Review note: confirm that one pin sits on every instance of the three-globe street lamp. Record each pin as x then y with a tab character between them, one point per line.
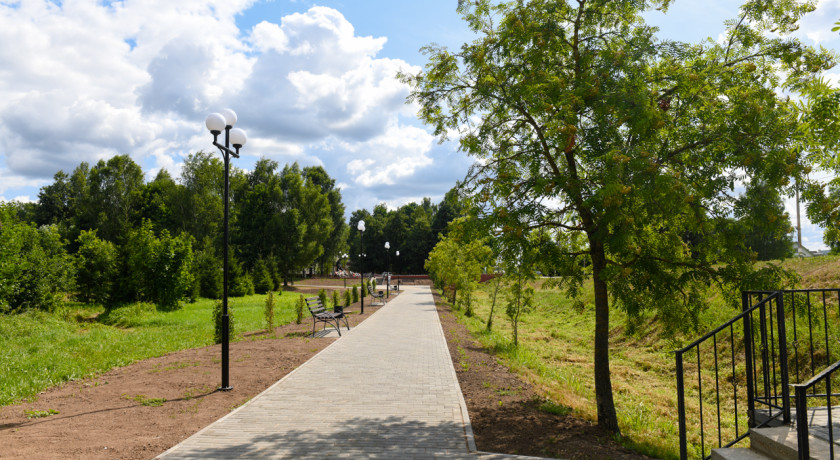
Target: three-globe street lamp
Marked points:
361	227
216	123
387	278
344	269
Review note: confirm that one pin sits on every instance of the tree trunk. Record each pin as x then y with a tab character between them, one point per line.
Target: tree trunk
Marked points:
493	307
603	386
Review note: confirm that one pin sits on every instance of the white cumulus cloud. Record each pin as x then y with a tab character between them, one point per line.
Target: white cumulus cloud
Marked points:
84	80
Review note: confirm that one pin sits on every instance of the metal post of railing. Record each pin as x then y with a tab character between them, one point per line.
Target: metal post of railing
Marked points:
681	407
765	359
829	409
802	422
783	357
748	360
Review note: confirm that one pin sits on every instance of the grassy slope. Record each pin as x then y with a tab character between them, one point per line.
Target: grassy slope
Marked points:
555	354
39	350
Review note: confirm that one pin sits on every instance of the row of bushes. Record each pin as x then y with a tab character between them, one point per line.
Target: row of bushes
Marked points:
38	273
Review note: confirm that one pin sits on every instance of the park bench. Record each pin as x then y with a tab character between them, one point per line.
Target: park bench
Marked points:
379	296
393	285
321	315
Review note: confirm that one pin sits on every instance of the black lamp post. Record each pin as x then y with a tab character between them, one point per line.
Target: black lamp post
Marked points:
216	123
361	227
387	278
344	269
398	269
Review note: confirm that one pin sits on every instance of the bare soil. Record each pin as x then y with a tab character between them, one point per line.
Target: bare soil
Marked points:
505	410
141	410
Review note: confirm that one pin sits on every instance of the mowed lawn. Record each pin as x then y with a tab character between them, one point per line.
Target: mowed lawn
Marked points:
556	355
39	350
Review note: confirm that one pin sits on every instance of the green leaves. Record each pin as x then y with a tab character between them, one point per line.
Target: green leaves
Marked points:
626	149
98	268
457	262
158	268
582	121
35	269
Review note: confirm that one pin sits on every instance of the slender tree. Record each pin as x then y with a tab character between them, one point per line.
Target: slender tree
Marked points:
767	227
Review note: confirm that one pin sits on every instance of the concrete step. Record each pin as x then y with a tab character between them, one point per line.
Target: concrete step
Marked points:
737	453
779	443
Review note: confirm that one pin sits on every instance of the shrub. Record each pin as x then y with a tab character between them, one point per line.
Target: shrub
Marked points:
157	269
335	298
355	293
35	269
172	270
262	277
209	274
130	315
217	322
96	268
275	276
347	298
322	296
269	312
301	305
240	281
466	302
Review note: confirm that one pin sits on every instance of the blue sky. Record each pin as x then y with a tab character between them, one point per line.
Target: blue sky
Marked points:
312	82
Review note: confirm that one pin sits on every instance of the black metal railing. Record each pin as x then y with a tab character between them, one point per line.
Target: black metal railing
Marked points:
739	374
805	419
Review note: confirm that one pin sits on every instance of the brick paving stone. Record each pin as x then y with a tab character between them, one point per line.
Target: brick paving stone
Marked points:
411	405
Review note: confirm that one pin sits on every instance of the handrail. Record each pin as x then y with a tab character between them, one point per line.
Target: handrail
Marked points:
801	391
747	312
726	324
770	349
750	365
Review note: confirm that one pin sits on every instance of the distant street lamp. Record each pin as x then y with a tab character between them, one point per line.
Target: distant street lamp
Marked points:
387	277
216	123
398	266
361	227
344	268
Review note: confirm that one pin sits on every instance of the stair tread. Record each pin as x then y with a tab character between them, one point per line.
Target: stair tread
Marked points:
781	442
737	453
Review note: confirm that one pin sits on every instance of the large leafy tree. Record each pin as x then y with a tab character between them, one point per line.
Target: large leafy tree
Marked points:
762	213
820	124
292	231
258	212
333	244
54	205
159	200
113	200
586	124
200	210
317	212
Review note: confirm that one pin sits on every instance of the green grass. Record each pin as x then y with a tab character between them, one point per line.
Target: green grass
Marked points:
39	350
555	355
30	414
145	400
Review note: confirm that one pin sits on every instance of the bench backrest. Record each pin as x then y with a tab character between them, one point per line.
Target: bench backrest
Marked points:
315	306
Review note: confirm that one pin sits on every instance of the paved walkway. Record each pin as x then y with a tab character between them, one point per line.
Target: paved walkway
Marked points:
386	389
